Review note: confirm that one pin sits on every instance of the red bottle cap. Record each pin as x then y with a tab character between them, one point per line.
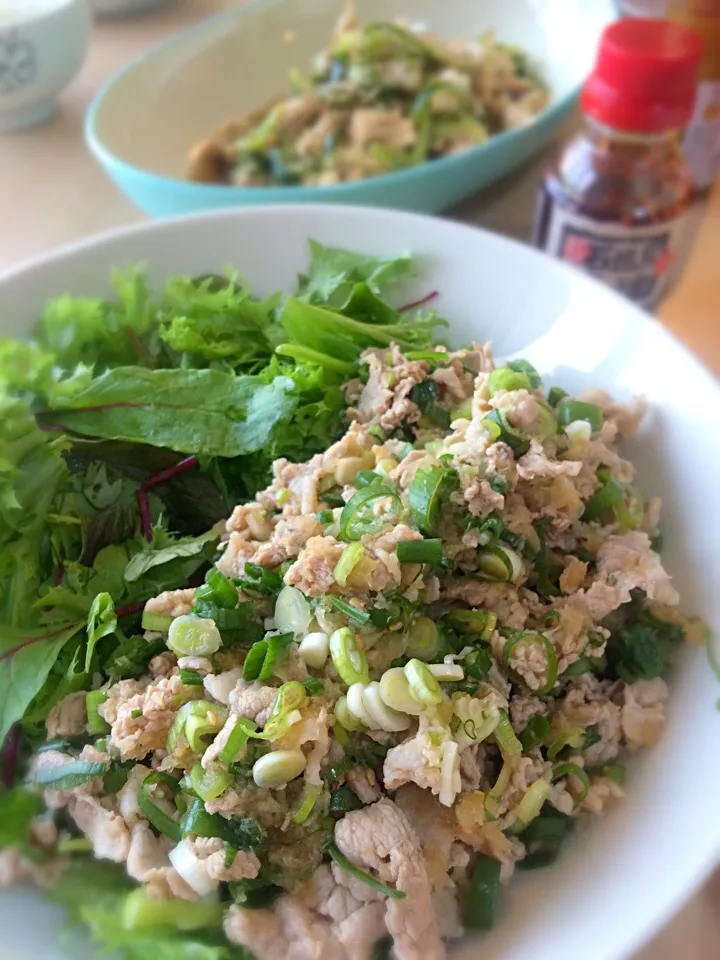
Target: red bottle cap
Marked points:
645	76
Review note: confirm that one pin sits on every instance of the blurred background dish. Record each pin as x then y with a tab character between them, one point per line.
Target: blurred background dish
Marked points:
142	125
42	46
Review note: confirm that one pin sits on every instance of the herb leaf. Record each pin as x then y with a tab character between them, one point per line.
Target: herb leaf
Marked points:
202	412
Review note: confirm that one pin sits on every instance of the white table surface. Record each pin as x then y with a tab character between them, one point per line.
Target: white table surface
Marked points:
53	192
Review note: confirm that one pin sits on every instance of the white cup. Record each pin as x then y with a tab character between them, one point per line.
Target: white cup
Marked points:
42	46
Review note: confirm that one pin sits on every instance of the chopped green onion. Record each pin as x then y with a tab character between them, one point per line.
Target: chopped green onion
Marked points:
630	518
314	687
463	411
314	649
482	894
277	645
477	664
530	805
344	800
446	672
258	580
306	807
358	517
547	424
482	622
162	821
191	636
555	395
96	725
504	431
524	366
425	494
419	551
134	714
615	771
209	784
345	717
423	639
498	564
218	589
574	737
191	678
342	861
395	691
351	612
497	791
290	696
255	660
437	357
505	737
365	477
292	611
237	740
606	497
381	715
325	517
349	660
75	845
503	378
240	832
67	776
140	911
535	733
279	767
569	410
193	721
156	622
531	638
349	559
543	839
423	685
561	770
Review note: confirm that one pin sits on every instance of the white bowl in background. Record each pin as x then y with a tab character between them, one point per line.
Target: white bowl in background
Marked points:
42	46
623	875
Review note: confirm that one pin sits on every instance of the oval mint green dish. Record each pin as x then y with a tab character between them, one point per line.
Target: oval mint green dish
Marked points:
143	123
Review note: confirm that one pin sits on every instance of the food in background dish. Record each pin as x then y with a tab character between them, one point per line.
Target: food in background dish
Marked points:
416	655
381	98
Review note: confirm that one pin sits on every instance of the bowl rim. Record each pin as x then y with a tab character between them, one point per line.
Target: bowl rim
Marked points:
550	117
658	913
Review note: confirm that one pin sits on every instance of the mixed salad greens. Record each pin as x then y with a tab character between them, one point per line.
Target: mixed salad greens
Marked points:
129	427
382	97
311	629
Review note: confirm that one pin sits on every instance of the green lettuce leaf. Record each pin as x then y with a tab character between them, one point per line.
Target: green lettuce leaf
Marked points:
337	337
198	548
26	659
201	412
333	271
17	809
102	621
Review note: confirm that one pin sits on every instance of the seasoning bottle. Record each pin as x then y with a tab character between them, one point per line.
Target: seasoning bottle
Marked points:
615	200
702	137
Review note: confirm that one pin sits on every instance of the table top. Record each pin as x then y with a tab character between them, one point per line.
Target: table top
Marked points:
52	191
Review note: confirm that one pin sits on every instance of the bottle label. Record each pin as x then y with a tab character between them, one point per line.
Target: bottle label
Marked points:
702	137
636	261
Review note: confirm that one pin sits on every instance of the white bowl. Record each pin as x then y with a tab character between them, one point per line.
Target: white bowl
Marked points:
42	47
626	873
